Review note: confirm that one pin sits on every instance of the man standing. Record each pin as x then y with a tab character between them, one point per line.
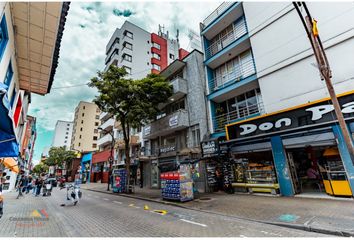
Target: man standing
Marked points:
20	185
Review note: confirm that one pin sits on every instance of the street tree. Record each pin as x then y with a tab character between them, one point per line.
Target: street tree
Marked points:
133	103
58	156
40	168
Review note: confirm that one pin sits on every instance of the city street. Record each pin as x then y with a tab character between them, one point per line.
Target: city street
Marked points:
106	215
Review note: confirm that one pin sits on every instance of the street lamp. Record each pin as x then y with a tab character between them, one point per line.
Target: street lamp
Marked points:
111	157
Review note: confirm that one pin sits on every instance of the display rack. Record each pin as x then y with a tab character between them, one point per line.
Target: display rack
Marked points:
261	175
177	185
335	179
119	180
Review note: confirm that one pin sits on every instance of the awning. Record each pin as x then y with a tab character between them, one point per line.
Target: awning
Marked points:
8	143
10	163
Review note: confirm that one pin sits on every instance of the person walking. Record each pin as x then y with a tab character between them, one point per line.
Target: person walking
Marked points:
29	184
20	185
2	180
34	185
39	185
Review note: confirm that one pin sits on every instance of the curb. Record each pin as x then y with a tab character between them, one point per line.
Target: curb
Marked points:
280	224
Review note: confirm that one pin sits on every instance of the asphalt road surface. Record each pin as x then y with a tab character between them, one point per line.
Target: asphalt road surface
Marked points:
107	215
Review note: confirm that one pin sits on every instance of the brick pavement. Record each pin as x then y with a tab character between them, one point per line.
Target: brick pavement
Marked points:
321	214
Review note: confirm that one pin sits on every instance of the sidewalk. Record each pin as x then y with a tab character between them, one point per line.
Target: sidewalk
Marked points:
319	215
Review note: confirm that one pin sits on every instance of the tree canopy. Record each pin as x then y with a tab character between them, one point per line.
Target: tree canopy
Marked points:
59	155
40	168
132	102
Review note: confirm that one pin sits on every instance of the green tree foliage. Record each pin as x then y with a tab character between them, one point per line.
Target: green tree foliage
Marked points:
58	155
40	168
132	102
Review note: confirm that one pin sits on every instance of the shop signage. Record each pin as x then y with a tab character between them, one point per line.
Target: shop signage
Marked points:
319	113
210	147
147	130
173	121
167	149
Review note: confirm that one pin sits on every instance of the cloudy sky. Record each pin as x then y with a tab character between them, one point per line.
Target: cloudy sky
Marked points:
88	28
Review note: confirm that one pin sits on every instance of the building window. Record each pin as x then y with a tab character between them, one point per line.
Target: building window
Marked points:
65	141
66	137
94	145
96	124
172	56
80	137
97	110
127	57
83	114
128	69
97	117
95	130
128	34
14	93
67	133
67	129
156	67
156	45
83	107
4	36
68	124
81	129
148	42
82	121
157	56
195	135
128	45
79	144
95	138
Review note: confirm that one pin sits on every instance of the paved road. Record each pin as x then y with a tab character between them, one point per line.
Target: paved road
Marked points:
105	215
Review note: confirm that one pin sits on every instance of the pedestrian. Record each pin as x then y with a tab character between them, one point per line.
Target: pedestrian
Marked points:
218	175
39	185
2	180
20	186
29	184
34	185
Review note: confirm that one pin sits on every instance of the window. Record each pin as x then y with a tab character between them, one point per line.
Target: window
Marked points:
82	121
195	135
4	37
13	97
66	137
66	133
128	34
127	57
97	117
83	114
156	45
67	129
97	110
81	129
94	145
156	67
83	107
79	144
95	130
80	137
65	141
128	69
148	42
172	56
128	45
96	123
95	138
9	74
157	56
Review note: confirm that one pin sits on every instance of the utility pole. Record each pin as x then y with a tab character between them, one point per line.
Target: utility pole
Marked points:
324	69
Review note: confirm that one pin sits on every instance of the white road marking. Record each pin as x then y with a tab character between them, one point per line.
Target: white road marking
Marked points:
199	224
117	202
106	199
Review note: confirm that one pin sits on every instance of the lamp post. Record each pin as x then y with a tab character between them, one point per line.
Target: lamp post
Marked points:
111	156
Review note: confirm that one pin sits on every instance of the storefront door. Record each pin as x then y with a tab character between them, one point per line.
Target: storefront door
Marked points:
154	174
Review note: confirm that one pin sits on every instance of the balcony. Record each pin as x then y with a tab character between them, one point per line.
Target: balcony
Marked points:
103	141
216	13
238	30
166	125
108	124
104	116
240	72
179	88
114	50
220	121
114	59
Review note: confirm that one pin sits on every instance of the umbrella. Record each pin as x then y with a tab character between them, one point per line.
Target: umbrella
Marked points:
10	163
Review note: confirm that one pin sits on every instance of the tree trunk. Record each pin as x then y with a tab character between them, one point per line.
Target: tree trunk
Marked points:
126	136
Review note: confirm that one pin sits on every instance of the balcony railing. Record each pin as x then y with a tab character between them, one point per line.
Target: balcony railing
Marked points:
107	124
239	73
217	12
237	32
104	140
221	120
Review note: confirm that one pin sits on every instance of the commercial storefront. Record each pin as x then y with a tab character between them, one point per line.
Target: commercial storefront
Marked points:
86	167
100	166
295	151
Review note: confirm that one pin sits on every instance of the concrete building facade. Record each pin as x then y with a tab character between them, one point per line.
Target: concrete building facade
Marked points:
63	134
265	93
85	129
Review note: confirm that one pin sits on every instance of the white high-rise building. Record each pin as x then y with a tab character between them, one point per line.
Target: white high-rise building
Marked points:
62	134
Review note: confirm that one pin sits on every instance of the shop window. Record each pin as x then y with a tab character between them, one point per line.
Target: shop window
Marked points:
4	36
9	74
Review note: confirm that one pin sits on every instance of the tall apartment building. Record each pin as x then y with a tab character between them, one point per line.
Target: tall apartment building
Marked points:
28	142
140	51
267	101
176	134
29	49
63	134
85	130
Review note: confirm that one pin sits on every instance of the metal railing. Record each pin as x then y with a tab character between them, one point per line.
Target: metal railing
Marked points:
217	12
237	32
221	120
239	73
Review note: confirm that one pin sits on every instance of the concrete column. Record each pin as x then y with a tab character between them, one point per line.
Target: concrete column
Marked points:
281	166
